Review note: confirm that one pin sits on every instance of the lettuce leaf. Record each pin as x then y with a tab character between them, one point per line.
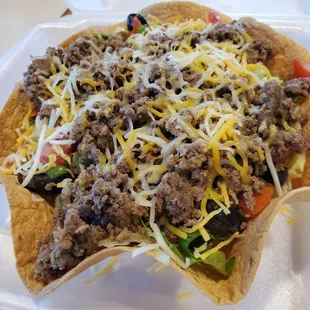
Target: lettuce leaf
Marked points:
173	247
216	261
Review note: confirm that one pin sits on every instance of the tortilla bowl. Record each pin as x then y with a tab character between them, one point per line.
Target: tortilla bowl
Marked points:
32	218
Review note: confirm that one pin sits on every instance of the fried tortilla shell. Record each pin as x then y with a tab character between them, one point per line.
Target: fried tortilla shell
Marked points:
284	50
181	11
32	220
11	118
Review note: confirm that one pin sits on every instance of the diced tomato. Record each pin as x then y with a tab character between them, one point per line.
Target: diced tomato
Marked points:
67	148
136	24
301	68
262	200
213	17
34	113
47	150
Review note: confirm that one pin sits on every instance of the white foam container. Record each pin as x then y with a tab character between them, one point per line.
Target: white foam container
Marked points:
283	278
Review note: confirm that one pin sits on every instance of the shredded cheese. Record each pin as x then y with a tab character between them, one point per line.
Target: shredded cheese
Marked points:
105	270
127	151
220	245
185	295
175	230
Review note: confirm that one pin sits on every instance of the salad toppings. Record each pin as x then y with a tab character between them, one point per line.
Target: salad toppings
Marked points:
169	131
136	24
213	17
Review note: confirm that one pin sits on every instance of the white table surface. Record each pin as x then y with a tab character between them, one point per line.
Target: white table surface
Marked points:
273	7
18	16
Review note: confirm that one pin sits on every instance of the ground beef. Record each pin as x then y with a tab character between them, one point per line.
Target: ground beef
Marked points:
243	191
225	92
285	144
158	37
112	76
191	77
93	137
114	206
55	52
298	87
95	206
38	70
40	65
46	110
150	157
78	129
259	50
78	50
131	95
159	44
167	126
89	149
222	32
178	197
85	91
69	244
118	40
189	158
137	111
265	109
255	162
114	43
155	73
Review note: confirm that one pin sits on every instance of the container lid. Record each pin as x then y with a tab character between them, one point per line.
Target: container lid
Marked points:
250	7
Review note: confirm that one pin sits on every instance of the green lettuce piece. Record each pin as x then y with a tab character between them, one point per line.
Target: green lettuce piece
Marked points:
146	229
216	261
57	171
296	97
143	29
101	36
173	247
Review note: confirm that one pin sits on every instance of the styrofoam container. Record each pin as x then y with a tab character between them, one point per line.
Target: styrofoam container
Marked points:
270	7
283	278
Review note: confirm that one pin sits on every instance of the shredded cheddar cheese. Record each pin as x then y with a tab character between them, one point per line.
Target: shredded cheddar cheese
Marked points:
175	230
185	295
105	269
220	245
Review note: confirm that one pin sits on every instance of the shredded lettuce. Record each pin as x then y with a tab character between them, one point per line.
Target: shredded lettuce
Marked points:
146	229
173	247
143	29
296	165
295	98
78	160
216	261
58	201
101	36
57	171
